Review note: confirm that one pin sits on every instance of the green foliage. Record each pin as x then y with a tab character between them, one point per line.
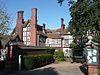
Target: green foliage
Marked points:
28	62
34	61
85	18
59	56
50	50
97	40
70	2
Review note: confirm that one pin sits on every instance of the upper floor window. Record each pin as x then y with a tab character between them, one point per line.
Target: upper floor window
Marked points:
47	41
53	41
24	29
28	28
28	33
24	38
59	41
24	33
66	41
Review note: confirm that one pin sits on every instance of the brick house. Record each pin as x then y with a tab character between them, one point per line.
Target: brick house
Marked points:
30	37
29	31
25	39
33	34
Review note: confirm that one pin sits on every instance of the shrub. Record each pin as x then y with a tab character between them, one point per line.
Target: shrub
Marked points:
50	50
59	56
28	62
34	61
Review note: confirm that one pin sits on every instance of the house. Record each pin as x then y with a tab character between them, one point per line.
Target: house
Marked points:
5	45
30	33
60	39
33	34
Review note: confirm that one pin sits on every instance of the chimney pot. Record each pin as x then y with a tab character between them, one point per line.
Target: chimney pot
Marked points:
20	14
62	24
44	26
62	21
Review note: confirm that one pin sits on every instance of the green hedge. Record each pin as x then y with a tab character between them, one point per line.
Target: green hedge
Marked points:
59	56
34	61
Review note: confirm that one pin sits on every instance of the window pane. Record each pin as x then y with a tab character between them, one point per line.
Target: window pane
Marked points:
24	29
28	38
25	43
24	38
28	43
28	33
24	33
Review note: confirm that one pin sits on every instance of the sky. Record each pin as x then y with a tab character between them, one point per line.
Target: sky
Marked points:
49	11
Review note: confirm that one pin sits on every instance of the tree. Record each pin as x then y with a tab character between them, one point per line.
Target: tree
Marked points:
85	19
69	1
5	20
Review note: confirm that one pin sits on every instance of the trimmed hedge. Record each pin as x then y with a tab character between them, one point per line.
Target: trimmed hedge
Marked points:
34	61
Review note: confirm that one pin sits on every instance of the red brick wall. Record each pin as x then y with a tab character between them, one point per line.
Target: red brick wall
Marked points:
92	69
33	27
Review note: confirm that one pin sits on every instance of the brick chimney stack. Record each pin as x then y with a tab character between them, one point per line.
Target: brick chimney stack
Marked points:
62	24
33	27
43	28
19	24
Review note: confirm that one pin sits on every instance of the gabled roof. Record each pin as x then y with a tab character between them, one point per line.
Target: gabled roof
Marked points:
26	22
41	33
48	31
13	31
4	40
57	30
7	39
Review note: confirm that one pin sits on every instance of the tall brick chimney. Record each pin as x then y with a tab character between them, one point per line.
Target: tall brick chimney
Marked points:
33	27
62	24
19	24
43	29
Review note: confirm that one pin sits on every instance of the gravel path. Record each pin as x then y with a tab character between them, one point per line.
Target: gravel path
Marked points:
63	68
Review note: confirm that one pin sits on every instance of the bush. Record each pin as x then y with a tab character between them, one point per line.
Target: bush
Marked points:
59	56
50	50
28	62
34	61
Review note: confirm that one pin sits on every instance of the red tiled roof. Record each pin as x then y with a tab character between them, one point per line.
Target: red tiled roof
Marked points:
53	35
